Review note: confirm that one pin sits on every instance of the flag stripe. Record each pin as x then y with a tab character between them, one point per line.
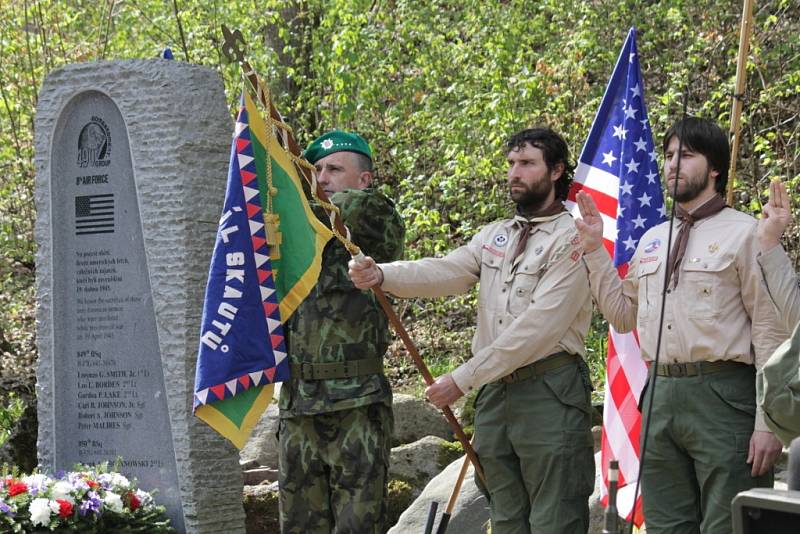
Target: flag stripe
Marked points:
617	168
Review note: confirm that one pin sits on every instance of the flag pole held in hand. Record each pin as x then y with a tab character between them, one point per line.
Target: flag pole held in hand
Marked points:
233	48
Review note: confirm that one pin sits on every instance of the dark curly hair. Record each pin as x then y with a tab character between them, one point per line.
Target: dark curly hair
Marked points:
554	149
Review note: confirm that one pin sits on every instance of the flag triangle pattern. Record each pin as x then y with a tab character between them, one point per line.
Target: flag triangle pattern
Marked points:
248	175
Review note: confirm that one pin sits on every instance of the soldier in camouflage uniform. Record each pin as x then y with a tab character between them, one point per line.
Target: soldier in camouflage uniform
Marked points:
336	414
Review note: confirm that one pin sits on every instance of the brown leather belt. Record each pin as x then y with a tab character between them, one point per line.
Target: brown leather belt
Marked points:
554	361
681	370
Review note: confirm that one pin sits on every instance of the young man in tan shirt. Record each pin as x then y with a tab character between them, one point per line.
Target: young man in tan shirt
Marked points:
706	442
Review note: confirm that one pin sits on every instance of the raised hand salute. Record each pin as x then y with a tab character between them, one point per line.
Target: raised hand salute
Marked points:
777	216
590	227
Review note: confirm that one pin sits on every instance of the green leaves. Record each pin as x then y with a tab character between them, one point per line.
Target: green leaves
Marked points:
435	86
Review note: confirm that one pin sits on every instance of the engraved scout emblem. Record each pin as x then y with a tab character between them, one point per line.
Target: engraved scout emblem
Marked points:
712	248
500	240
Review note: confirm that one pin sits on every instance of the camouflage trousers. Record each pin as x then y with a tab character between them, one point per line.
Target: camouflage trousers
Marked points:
334	470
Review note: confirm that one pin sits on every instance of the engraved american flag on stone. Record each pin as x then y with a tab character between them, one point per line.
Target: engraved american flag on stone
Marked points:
94	214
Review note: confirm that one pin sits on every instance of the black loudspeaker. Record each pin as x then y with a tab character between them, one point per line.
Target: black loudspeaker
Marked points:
770	511
766	511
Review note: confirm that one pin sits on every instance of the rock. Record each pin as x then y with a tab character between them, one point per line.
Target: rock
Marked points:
262	447
596	510
417	463
414	419
471	512
253	477
261	508
247	465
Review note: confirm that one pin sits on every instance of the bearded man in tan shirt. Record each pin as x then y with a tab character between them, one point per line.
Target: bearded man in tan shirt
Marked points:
532	413
707	441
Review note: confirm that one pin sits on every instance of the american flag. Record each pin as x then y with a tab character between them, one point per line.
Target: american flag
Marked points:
94	214
618	168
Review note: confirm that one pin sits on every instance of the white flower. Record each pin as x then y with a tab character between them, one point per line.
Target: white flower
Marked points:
62	490
120	481
145	499
36	483
113	501
40	510
113	480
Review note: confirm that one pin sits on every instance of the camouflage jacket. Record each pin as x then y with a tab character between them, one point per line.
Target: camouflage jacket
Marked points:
338	322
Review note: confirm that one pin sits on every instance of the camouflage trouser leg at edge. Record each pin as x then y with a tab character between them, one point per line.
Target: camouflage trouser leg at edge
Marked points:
697	448
334	471
534	442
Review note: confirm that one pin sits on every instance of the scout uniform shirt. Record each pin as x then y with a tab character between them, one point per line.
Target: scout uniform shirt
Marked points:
781	282
718	311
528	308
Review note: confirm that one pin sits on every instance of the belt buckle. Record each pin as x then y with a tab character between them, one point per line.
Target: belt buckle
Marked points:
677	370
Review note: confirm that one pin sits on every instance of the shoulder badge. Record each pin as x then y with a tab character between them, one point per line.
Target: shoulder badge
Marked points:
500	240
652	246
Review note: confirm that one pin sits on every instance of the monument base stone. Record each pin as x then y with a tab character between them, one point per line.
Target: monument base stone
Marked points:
131	165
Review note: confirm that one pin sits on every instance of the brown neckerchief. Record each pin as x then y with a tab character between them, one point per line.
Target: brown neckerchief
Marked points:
556	207
714	205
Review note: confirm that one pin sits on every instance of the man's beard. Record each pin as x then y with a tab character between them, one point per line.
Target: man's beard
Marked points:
533	197
690	191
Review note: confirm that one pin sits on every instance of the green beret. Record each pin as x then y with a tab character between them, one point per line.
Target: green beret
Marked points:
336	141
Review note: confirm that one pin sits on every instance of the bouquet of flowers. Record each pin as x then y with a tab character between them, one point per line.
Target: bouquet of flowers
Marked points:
87	500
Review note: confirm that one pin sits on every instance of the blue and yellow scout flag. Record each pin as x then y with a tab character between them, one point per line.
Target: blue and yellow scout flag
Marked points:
254	286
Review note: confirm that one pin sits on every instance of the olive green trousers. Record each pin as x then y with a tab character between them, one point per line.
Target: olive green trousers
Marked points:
695	462
534	442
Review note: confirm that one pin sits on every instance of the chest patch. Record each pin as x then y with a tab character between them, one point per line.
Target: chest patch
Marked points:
648	259
494	251
500	240
652	246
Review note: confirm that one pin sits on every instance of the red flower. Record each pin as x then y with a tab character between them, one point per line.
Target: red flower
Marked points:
15	488
91	483
133	501
64	508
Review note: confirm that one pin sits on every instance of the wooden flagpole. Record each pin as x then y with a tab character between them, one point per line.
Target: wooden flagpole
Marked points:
233	51
451	503
738	93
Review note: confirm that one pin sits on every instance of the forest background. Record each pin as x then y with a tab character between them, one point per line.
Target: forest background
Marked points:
436	86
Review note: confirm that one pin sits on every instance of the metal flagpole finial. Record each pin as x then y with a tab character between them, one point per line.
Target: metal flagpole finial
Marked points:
233	46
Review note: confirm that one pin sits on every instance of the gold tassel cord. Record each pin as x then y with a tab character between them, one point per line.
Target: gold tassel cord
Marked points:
232	50
264	98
